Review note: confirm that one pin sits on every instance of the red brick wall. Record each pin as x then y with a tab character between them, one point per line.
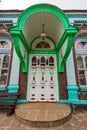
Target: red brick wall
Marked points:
63	85
22	84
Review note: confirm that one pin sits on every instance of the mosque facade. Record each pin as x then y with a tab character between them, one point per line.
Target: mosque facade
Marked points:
43	54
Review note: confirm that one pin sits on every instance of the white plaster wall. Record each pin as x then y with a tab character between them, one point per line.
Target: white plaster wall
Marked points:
14	77
70	70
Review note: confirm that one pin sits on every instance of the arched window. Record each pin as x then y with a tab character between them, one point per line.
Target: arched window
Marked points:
51	61
78	46
81	54
82	69
34	61
5	61
80	62
42	45
4	45
5	51
81	45
82	78
42	61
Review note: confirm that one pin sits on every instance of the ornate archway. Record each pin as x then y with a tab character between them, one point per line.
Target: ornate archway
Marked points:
58	29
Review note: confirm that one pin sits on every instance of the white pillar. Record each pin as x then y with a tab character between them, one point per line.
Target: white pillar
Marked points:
14	76
71	79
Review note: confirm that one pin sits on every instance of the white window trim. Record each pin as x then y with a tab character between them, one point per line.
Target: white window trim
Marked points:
84	69
1	68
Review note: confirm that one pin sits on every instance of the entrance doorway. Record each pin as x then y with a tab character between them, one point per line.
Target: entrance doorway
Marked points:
42	78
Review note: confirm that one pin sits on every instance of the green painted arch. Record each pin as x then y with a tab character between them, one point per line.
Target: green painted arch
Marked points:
51	39
42	7
18	51
67	52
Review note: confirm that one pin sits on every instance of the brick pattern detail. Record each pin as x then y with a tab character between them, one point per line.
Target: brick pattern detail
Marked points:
22	84
63	86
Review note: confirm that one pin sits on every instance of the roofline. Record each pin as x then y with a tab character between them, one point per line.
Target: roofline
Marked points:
74	11
7	11
67	11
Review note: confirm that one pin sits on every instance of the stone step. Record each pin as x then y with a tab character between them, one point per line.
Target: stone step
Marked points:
43	114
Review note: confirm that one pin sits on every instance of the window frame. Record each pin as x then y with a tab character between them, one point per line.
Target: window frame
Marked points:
5	52
84	69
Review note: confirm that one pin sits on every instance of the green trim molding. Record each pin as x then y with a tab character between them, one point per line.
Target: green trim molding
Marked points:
44	8
19	53
68	34
17	33
13	88
2	88
21	101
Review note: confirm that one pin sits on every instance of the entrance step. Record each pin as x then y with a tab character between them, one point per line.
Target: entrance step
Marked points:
43	114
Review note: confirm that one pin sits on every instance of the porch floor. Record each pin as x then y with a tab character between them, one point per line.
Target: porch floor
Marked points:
43	114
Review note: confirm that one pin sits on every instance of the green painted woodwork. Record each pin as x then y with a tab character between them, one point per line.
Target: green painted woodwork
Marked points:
60	101
21	101
67	52
34	41
70	31
44	8
13	88
24	41
74	102
18	36
17	33
2	88
52	41
18	51
42	52
64	101
83	90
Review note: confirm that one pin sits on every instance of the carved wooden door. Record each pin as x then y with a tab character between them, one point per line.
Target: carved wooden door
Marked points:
43	79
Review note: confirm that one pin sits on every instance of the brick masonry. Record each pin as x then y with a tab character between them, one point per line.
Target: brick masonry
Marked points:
63	85
22	84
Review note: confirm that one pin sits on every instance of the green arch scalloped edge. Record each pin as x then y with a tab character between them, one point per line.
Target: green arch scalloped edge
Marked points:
42	7
69	30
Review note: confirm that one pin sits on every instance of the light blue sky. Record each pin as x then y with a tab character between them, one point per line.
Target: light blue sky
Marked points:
63	4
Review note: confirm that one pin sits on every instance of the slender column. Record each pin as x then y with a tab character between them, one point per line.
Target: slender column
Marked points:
14	77
71	79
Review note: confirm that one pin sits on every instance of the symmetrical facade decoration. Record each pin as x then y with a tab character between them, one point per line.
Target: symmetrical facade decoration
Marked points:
43	54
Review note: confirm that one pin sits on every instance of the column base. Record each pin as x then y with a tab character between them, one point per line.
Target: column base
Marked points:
13	88
72	92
